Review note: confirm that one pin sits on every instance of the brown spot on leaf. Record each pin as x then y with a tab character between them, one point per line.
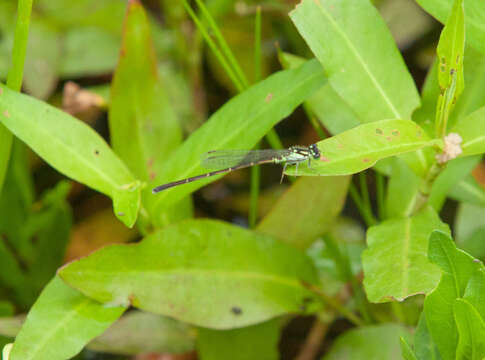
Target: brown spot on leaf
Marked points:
395	132
365	160
323	158
121	213
6	114
96	152
268	97
379	131
388	138
340	146
236	310
153	175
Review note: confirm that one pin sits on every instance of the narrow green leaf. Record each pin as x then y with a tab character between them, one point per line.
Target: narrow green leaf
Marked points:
457	268
308	209
259	341
73	148
471	331
401	203
143	126
360	58
361	147
450	51
395	262
240	123
455	171
370	342
472	131
139	332
236	276
474	18
406	350
424	346
60	324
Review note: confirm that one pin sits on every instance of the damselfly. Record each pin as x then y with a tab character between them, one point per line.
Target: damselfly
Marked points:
229	160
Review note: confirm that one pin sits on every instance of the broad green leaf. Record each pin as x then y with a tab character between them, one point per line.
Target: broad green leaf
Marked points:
143	126
360	58
361	147
457	268
455	171
236	276
307	209
329	108
474	18
60	324
240	123
471	331
406	350
42	59
369	342
470	191
450	51
472	131
88	51
424	346
395	262
475	291
401	203
139	332
426	114
73	148
107	15
259	341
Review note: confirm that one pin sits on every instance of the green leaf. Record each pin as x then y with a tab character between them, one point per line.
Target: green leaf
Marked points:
88	51
139	332
395	262
474	18
307	209
143	126
469	220
469	190
450	51
42	59
471	331
475	292
329	108
455	171
457	268
406	350
240	123
237	276
370	342
361	147
359	56
253	342
401	203
60	324
472	131
73	148
424	346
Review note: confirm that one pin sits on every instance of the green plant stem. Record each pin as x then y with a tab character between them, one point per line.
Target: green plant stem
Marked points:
15	76
380	196
255	170
219	55
336	305
368	217
223	44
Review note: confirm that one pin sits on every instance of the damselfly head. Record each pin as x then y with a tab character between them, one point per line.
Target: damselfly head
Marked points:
314	151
